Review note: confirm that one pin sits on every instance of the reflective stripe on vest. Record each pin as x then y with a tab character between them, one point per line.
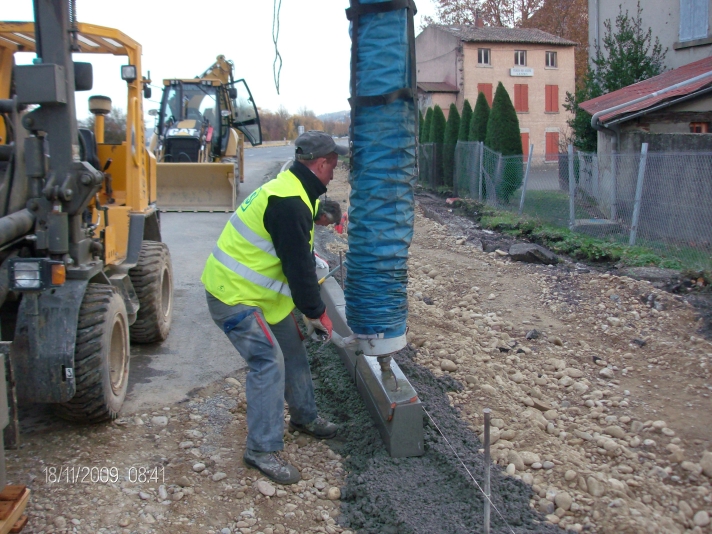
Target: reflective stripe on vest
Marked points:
248	274
244	267
260	242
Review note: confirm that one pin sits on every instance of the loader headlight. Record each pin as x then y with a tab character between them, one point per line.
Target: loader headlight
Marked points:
35	274
128	73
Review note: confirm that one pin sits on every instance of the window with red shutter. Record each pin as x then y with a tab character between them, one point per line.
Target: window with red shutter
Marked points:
552	99
552	146
485	88
521	97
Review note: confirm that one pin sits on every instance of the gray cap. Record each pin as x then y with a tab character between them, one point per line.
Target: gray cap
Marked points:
317	144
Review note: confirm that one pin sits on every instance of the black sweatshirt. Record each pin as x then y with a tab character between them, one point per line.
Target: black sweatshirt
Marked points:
289	221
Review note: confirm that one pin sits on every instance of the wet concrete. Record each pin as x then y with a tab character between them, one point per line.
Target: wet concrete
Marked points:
427	494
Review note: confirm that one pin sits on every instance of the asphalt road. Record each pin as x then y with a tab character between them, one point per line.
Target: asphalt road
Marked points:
196	352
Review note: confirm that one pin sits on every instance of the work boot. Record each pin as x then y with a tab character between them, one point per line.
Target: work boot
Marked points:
273	466
319	428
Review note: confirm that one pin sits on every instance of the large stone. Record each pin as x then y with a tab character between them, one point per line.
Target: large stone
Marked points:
701	519
265	488
513	457
573	373
529	458
541	405
595	487
448	365
615	431
706	463
531	253
563	500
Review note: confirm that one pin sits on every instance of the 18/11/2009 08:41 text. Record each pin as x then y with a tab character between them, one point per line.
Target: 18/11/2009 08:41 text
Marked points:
84	474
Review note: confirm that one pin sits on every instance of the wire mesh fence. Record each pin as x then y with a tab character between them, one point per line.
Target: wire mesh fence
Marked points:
657	200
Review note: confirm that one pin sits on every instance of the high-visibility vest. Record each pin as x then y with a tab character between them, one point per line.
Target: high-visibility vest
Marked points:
243	267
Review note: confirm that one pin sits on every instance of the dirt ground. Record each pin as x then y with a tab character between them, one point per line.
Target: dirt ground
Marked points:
599	386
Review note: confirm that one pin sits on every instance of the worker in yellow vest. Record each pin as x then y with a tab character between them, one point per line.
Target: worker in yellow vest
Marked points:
261	268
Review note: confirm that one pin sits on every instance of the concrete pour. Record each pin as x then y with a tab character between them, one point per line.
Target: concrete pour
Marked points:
427	494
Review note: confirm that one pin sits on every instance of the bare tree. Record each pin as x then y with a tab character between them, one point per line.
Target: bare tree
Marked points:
567	19
508	13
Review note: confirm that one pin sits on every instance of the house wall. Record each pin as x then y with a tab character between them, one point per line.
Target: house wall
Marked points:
536	122
662	16
436	55
676	186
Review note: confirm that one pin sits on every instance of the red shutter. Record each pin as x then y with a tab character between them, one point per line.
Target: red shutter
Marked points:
525	143
485	88
517	97
552	146
552	98
524	95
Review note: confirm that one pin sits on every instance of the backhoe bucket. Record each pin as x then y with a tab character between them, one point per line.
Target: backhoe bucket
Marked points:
196	187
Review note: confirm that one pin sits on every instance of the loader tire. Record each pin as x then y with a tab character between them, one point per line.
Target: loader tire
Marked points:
152	279
101	358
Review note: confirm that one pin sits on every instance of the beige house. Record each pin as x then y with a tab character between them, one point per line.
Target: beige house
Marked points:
535	67
683	26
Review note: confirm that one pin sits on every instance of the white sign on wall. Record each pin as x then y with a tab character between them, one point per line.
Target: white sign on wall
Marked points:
521	71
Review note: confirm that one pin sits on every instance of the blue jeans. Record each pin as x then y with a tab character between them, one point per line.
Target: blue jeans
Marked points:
278	371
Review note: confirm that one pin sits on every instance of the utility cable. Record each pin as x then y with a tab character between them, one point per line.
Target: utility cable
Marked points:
276	70
468	471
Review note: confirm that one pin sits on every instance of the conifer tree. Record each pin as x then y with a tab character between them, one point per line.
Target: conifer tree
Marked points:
425	130
480	116
452	129
503	136
437	128
437	136
465	120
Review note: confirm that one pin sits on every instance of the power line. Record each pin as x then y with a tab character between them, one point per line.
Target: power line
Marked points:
276	70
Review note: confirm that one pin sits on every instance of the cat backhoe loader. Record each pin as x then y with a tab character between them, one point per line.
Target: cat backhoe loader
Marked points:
199	139
83	271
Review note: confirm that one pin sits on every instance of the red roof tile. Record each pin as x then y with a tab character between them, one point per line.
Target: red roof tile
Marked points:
652	85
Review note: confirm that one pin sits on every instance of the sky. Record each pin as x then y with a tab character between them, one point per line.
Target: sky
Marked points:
182	39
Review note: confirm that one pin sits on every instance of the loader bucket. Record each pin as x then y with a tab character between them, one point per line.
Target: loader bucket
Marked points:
196	186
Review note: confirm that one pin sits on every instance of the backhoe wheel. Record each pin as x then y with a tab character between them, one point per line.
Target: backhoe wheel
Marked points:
101	357
152	279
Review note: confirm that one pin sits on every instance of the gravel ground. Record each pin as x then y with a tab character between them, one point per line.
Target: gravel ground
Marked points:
599	385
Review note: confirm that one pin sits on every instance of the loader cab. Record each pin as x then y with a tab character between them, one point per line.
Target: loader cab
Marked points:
195	118
189	122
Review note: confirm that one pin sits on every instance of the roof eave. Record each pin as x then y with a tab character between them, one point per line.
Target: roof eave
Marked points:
659	105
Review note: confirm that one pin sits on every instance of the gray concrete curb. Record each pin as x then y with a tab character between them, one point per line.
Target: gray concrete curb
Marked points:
400	424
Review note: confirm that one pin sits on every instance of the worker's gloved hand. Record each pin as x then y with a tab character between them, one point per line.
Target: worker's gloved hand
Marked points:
320	263
319	329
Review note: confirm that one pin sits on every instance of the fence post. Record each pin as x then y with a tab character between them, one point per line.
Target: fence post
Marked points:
479	173
455	173
498	176
488	492
572	188
526	178
614	181
473	157
638	194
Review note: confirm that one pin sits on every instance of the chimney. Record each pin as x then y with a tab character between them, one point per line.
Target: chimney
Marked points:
479	21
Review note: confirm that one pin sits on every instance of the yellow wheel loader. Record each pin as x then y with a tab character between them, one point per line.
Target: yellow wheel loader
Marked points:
83	271
199	139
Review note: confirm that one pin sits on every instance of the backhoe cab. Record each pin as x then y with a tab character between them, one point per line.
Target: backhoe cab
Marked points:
203	121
